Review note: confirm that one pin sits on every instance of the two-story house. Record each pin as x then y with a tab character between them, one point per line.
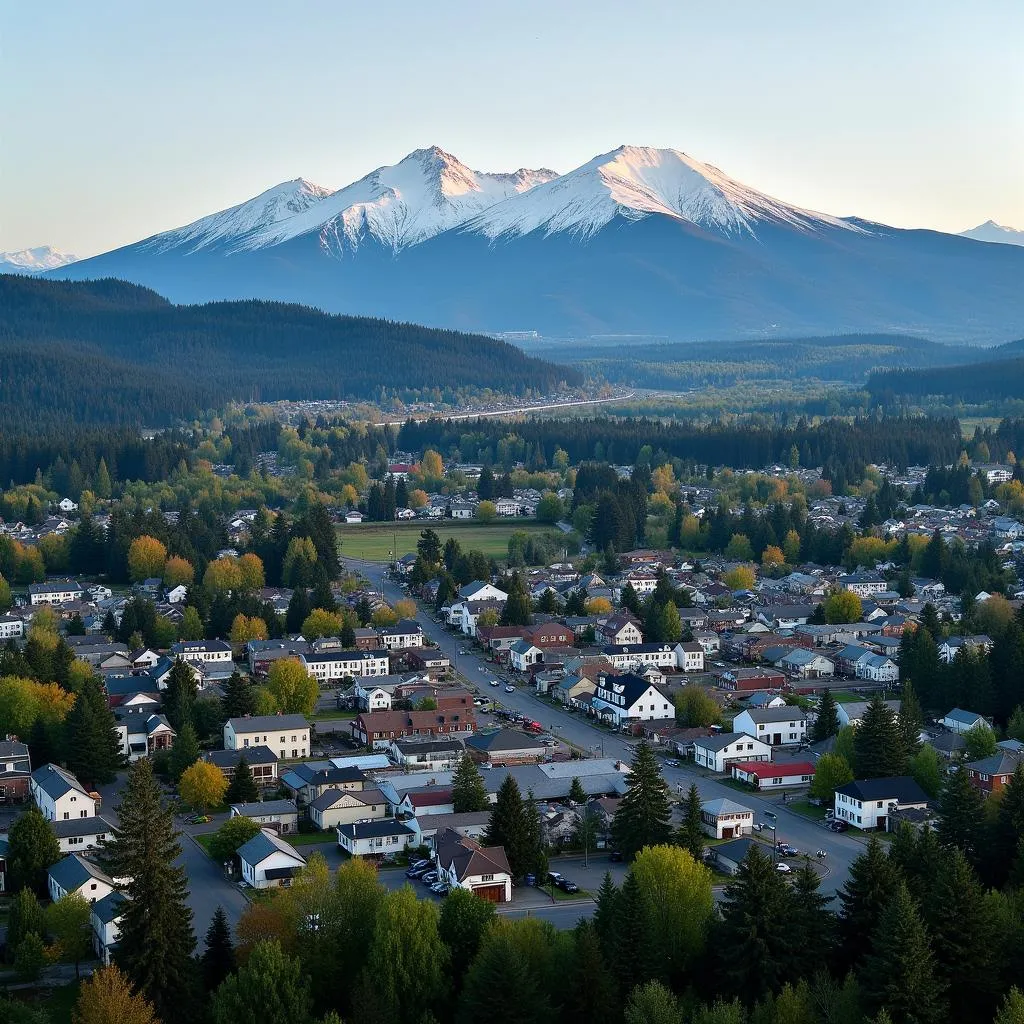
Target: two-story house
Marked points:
991	774
869	803
15	772
377	729
330	666
630	698
775	726
286	735
59	795
405	633
719	751
690	656
55	592
618	630
465	864
201	650
633	656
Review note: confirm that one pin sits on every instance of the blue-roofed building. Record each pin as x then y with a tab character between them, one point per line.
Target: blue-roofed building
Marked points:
105	920
268	862
75	873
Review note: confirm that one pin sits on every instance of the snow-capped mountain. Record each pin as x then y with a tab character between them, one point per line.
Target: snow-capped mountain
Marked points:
990	231
34	261
637	241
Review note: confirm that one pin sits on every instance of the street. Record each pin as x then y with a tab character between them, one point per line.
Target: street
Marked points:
801	832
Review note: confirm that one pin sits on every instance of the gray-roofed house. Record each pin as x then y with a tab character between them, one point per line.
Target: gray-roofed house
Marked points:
268	862
382	838
74	873
991	774
262	762
416	754
506	746
718	751
870	803
729	856
962	721
15	772
280	815
286	735
59	795
463	863
105	920
308	781
335	807
775	726
725	819
77	835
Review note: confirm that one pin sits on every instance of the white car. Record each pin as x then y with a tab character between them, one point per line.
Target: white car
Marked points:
783	868
510	689
494	682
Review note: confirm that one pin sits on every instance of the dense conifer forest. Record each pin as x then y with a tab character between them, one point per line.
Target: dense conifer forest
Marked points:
110	352
987	381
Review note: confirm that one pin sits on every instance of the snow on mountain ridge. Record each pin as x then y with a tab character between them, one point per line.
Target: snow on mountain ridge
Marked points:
34	261
634	182
990	231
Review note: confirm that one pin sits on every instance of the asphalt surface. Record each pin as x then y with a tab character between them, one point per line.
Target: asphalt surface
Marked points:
803	833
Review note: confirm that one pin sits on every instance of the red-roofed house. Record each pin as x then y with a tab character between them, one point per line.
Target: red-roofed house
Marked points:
773	774
466	864
435	800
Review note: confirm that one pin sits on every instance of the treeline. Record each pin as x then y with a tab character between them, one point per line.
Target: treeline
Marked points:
110	352
981	382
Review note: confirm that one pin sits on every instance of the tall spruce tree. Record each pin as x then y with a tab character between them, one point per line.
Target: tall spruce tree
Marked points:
517	610
1007	829
644	817
961	820
630	943
812	922
243	788
239	696
862	900
218	959
691	835
185	751
508	828
899	975
32	846
827	722
155	948
93	750
877	744
180	696
606	910
910	720
468	790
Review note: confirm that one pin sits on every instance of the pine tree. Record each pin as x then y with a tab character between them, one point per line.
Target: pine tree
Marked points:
517	608
878	750
537	858
691	835
899	975
155	948
218	959
239	696
93	750
1007	829
827	722
508	828
468	790
961	817
298	610
590	998
185	751
243	788
180	696
910	720
644	818
630	937
577	794
862	900
606	910
812	923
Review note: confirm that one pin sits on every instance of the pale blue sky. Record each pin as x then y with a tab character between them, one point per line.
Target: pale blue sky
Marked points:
122	119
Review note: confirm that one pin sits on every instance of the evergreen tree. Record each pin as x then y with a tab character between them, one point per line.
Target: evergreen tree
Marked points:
910	720
468	790
961	817
32	847
862	900
754	927
239	696
298	610
1006	829
827	722
517	608
644	817
508	828
243	788
899	975
93	750
464	920
155	948
501	984
630	942
218	959
185	751
691	835
630	600
812	923
577	794
537	858
180	695
44	742
877	744
591	997
323	597
606	910
269	987
26	917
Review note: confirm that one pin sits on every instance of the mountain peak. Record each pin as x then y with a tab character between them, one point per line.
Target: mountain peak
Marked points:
992	231
35	260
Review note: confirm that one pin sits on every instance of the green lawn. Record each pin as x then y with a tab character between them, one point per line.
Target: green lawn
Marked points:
311	838
375	542
845	697
331	716
807	809
204	841
560	895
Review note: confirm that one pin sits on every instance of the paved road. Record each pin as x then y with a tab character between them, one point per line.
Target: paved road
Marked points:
792	828
517	410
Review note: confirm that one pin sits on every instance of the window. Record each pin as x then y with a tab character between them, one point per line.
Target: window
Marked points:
84	814
879	804
984	778
67	814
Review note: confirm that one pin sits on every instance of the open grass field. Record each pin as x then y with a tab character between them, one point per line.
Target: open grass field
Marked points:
375	542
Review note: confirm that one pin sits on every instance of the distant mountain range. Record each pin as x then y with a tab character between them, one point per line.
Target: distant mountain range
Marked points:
990	231
636	242
34	261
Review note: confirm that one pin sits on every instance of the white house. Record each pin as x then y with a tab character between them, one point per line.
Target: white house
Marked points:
105	922
406	633
718	752
201	650
370	697
55	592
522	654
690	656
353	516
178	594
620	630
775	726
77	874
948	648
804	664
77	835
851	712
869	803
631	656
416	754
330	666
878	668
336	807
479	591
59	795
282	816
67	505
142	734
464	864
962	721
286	735
382	838
630	698
864	584
726	819
11	627
268	862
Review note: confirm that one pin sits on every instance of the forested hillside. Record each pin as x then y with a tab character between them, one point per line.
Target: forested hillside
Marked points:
111	352
982	382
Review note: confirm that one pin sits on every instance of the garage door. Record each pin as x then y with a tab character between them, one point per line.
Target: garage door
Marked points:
493	893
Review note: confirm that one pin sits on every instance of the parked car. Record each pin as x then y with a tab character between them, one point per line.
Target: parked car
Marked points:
788	851
510	689
559	880
838	826
494	682
439	888
615	857
428	877
783	868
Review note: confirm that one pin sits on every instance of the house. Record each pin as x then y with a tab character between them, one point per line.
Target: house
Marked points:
864	584
619	630
59	795
377	729
773	774
851	712
995	473
142	734
55	592
105	923
763	699
286	735
522	654
877	668
282	816
308	781
746	679
710	642
962	721
468	823
11	627
426	755
465	864
201	650
262	762
370	697
75	873
406	633
726	819
429	800
334	807
948	648
869	803
633	656
67	505
76	835
991	774
479	591
353	516
382	838
719	751
504	747
571	689
690	656
630	698
776	726
178	594
331	666
729	856
15	772
269	862
801	664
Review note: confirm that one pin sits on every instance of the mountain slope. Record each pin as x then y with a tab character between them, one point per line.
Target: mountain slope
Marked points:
634	242
990	231
34	261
